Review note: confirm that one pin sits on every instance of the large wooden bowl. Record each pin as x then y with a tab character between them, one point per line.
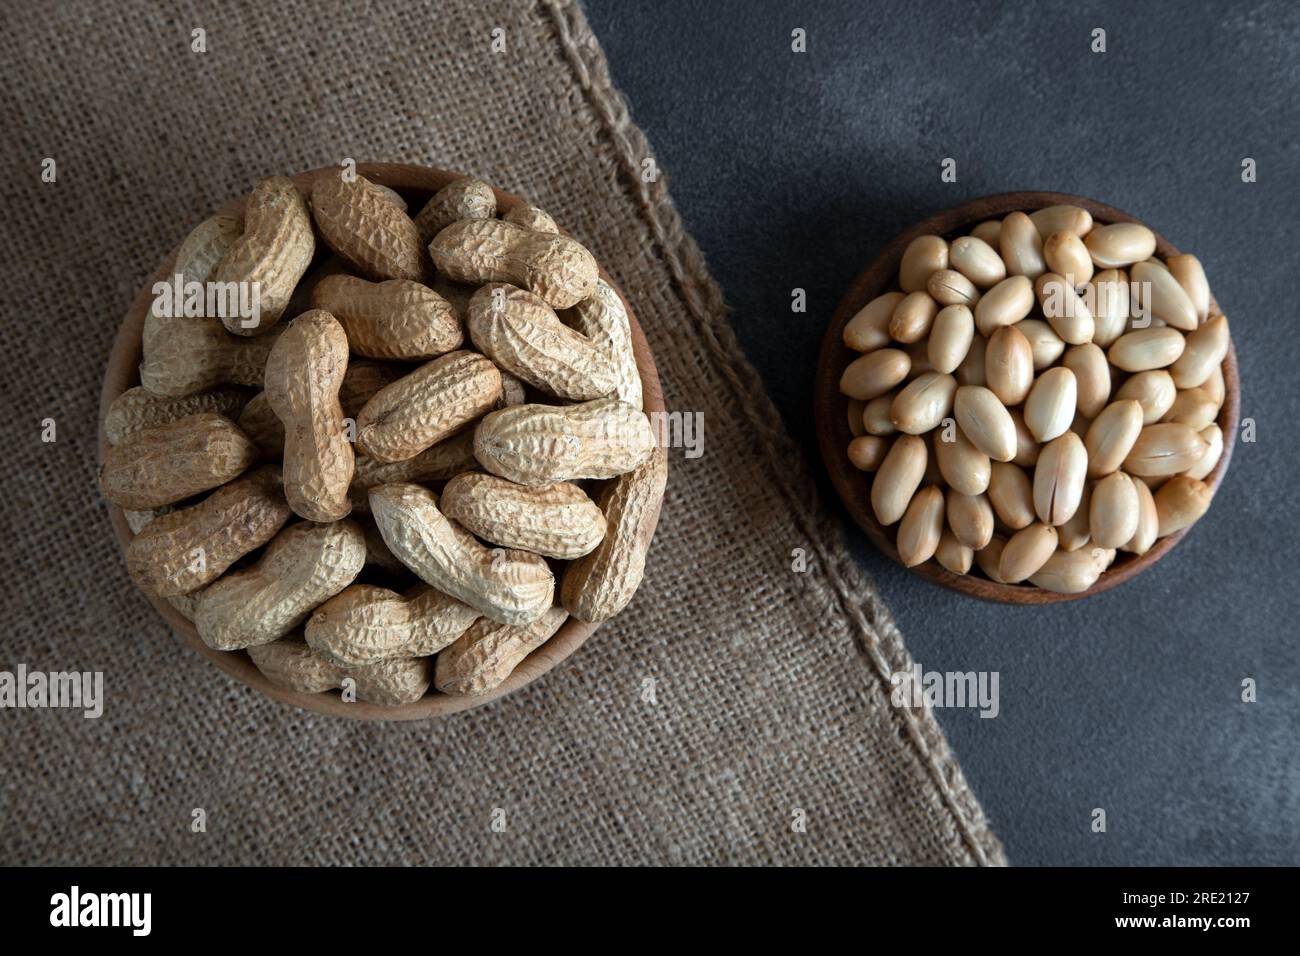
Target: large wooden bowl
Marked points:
415	183
831	407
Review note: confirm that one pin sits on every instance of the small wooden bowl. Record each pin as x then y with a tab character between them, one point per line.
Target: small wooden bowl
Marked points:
414	183
831	407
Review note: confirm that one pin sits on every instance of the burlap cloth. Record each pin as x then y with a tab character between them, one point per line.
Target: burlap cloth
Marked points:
770	686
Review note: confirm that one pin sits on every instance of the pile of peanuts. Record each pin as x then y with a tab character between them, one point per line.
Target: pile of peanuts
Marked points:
1037	396
447	460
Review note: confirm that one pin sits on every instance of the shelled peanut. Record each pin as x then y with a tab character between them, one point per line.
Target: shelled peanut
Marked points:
1037	396
393	440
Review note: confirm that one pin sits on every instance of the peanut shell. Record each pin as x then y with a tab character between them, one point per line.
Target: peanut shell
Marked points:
485	655
513	587
554	267
184	550
137	408
169	463
464	198
375	237
395	319
556	520
303	566
274	251
363	624
524	336
426	406
538	444
303	377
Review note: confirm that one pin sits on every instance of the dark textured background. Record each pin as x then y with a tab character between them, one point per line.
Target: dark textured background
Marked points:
793	170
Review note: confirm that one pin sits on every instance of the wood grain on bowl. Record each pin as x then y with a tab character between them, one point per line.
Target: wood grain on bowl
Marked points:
123	372
830	406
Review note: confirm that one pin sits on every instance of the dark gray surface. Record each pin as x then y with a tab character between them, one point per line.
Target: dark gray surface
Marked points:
793	170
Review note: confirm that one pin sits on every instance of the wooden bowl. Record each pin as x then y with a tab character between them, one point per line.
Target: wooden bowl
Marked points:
415	183
831	407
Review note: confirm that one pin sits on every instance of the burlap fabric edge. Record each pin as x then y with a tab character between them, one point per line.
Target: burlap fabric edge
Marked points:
876	635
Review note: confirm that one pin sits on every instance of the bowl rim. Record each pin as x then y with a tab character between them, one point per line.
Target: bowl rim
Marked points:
830	406
122	372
